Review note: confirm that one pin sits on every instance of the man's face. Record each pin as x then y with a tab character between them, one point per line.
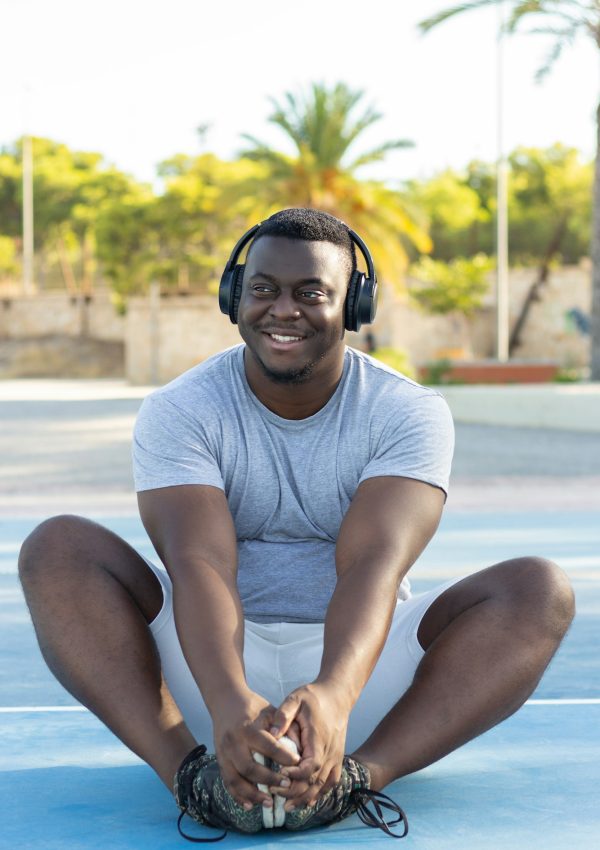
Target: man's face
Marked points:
291	310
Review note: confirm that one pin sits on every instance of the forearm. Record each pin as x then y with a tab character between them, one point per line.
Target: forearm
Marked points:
388	525
356	627
210	626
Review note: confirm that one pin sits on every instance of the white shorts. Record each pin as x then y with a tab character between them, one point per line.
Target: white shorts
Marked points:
279	657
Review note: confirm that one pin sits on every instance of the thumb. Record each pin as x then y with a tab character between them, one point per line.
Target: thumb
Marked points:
284	715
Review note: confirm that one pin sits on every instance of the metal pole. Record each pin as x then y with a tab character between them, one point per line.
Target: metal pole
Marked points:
502	306
28	286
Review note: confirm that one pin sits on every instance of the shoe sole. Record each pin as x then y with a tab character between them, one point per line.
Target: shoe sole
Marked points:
267	813
274	817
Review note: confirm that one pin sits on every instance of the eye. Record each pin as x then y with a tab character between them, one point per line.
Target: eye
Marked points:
312	294
262	289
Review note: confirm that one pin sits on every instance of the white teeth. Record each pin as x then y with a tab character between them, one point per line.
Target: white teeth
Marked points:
279	338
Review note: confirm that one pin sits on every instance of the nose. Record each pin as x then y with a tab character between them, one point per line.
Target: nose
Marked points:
284	307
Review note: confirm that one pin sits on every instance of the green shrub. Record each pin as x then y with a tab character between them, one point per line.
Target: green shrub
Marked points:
568	375
438	372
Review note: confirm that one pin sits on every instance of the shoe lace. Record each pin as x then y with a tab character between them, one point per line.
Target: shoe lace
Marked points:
191	837
188	789
377	818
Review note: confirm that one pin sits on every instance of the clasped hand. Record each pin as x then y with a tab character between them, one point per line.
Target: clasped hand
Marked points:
312	716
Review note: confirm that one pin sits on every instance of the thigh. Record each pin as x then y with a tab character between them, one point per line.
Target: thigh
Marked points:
176	672
64	549
519	583
262	647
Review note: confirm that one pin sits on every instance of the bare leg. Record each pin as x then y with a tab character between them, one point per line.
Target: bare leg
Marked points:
91	597
488	639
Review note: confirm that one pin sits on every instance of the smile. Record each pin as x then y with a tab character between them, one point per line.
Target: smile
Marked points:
281	338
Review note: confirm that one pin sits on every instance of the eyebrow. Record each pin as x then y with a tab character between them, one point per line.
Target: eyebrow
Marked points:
307	280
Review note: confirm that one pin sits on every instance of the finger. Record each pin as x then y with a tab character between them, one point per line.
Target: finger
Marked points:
293	790
304	771
293	733
334	777
285	715
284	753
246	767
245	793
307	798
261	775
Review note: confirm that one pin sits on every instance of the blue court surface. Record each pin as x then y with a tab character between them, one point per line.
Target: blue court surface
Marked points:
66	783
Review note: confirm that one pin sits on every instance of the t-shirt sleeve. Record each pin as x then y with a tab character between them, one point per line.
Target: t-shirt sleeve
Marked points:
170	447
416	443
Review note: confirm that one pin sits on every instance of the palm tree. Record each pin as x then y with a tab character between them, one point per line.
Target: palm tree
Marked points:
564	20
321	173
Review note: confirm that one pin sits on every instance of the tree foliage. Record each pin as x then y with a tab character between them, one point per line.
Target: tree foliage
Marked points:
93	220
564	21
546	186
455	287
324	127
181	237
70	189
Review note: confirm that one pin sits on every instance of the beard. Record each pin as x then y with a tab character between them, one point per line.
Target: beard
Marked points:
289	376
301	374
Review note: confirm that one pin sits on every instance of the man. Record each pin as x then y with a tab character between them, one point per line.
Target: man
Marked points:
288	485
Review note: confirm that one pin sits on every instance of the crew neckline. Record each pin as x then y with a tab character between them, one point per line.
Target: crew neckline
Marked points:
281	420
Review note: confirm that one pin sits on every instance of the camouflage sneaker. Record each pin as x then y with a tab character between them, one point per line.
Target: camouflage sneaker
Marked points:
350	795
200	793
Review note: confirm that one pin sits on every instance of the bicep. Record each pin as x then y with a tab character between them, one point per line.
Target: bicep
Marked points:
190	524
388	524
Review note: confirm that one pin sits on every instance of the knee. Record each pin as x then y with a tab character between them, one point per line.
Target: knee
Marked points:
48	544
543	591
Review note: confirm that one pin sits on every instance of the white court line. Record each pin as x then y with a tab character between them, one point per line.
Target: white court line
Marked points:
40	709
589	701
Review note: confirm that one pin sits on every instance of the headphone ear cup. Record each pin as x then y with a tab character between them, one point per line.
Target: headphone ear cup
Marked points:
237	276
352	299
366	302
225	291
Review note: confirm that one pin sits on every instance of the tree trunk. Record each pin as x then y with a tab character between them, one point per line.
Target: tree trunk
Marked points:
66	267
542	277
595	323
87	264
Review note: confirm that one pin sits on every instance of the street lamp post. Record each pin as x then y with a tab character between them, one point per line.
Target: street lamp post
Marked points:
502	307
28	285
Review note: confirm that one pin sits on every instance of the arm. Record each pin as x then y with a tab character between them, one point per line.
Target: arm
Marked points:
388	524
192	530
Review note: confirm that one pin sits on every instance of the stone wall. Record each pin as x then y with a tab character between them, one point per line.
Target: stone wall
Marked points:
59	355
59	314
551	332
165	336
171	335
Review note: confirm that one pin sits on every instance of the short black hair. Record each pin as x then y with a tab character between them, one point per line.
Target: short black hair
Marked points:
311	226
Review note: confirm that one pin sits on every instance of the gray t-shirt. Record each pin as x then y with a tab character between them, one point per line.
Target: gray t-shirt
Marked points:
290	482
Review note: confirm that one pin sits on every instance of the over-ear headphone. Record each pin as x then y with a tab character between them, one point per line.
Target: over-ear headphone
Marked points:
361	298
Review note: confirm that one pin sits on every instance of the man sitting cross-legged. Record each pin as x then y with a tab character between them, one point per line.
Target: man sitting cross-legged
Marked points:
288	484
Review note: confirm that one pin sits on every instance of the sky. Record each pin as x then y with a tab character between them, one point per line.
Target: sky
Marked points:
133	79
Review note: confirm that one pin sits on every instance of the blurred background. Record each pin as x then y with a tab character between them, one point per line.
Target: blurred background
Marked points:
140	139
